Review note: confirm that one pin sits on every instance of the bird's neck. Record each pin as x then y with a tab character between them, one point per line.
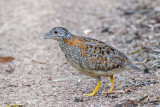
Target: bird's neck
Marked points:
62	41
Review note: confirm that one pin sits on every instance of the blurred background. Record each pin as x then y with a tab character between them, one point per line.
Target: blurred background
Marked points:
34	72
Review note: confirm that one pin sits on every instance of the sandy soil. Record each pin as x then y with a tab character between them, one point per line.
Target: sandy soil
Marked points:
40	75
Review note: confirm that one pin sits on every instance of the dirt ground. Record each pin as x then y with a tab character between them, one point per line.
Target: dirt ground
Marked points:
40	75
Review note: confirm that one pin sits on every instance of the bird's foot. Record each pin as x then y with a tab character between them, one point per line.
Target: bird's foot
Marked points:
89	95
95	90
111	91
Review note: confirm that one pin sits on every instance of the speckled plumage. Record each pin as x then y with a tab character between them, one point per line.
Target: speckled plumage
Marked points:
90	56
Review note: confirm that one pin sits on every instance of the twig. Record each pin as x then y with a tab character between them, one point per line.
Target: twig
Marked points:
71	78
39	62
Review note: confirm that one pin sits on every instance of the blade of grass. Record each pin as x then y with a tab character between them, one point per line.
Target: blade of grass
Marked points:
138	51
15	105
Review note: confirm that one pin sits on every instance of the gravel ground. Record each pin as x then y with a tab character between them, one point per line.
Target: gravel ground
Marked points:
40	75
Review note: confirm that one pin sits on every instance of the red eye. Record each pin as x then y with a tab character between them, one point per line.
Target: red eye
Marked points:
55	32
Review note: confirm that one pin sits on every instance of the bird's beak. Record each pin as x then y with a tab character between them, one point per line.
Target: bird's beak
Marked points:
47	36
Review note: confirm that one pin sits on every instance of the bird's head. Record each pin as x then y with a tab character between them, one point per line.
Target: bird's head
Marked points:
57	33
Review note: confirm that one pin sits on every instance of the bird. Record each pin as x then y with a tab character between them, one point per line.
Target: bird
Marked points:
90	56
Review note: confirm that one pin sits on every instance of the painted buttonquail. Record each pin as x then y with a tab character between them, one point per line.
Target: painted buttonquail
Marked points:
90	56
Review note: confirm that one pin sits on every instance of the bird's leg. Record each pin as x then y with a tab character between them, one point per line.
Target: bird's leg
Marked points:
95	90
112	85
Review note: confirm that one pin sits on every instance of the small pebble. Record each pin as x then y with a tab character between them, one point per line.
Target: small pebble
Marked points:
129	12
139	58
145	70
78	99
79	80
87	31
105	29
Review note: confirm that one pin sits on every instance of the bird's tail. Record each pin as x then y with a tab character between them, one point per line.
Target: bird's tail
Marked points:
135	67
131	66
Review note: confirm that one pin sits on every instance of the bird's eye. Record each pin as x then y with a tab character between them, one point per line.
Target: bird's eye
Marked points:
55	32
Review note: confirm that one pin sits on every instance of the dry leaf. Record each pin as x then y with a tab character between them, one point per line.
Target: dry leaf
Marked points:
6	59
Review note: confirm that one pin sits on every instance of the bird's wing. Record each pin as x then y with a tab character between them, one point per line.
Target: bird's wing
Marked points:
102	56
